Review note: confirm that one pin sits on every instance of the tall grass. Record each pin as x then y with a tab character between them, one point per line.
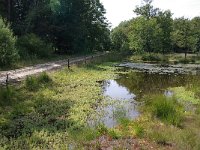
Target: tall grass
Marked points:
34	83
44	78
167	109
7	95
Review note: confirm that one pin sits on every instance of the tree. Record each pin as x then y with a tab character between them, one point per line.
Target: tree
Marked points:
119	37
165	22
147	10
144	35
8	52
182	34
71	25
195	25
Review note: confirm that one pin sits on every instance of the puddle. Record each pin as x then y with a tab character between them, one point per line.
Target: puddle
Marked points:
124	95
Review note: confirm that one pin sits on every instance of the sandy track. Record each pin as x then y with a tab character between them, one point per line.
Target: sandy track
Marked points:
20	74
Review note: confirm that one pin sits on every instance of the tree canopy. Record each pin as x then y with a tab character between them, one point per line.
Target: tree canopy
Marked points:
154	30
71	25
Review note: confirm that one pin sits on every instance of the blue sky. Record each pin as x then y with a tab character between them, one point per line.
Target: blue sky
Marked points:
120	10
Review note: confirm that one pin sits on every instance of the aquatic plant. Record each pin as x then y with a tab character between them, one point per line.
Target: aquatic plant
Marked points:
167	109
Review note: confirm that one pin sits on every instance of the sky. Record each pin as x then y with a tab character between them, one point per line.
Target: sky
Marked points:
121	10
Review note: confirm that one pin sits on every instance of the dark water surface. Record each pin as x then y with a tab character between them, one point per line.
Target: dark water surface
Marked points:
126	92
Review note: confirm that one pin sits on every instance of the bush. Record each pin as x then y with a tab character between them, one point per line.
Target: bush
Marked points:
6	96
32	45
166	109
44	78
8	52
151	57
33	83
184	61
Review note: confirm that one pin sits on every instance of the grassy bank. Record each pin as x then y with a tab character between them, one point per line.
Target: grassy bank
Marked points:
166	58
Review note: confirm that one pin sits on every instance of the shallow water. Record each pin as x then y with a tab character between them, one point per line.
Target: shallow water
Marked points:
126	92
123	106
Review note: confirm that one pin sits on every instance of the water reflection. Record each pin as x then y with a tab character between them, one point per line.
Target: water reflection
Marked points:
116	91
122	104
126	92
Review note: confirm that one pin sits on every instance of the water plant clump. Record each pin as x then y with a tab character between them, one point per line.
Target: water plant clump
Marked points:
167	109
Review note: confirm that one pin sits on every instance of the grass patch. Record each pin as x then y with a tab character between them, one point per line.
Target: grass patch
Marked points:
7	96
34	83
166	109
184	95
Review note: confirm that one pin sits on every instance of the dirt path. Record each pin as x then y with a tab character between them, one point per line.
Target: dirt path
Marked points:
20	74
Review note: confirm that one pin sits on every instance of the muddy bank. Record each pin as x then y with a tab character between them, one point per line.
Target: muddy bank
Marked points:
164	68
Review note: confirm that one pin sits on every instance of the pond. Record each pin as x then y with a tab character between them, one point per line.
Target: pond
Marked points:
125	93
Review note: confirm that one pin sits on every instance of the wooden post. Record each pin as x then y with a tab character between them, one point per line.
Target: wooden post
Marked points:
85	60
68	64
7	80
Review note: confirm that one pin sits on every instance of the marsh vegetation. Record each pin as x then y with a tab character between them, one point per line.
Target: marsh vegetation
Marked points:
79	108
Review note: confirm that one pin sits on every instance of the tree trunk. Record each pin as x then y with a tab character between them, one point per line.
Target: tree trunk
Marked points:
9	10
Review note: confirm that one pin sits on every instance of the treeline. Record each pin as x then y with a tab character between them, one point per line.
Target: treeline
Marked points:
154	30
41	27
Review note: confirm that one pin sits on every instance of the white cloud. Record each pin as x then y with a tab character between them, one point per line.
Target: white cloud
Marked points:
120	10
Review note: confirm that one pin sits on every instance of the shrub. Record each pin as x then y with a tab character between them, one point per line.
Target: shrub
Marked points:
32	45
151	57
44	78
167	109
8	52
184	61
115	134
31	83
6	96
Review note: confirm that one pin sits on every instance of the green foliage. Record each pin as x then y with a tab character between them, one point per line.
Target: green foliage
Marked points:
147	10
7	96
154	30
102	129
44	78
184	61
167	110
115	134
184	95
32	45
119	37
151	57
182	35
73	26
159	137
8	52
33	83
